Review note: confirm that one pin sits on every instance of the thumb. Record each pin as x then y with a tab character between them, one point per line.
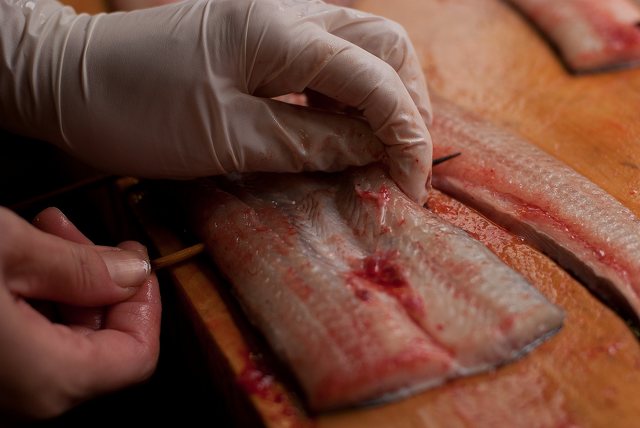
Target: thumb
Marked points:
43	266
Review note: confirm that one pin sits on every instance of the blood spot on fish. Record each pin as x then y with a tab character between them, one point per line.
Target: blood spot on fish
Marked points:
298	284
363	294
506	324
617	37
622	38
411	302
382	270
530	211
381	197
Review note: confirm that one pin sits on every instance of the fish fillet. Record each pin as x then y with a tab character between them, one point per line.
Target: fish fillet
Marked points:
561	212
590	34
363	294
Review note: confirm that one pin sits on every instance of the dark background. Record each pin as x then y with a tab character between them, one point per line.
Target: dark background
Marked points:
35	175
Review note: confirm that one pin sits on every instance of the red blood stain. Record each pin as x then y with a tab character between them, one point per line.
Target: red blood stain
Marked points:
412	302
363	294
506	324
619	37
530	211
381	197
381	269
255	381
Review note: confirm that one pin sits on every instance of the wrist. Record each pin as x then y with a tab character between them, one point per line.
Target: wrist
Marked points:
35	41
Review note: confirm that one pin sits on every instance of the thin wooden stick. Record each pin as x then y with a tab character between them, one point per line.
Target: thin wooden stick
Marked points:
177	257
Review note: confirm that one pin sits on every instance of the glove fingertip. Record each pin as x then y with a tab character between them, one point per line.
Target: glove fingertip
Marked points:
412	174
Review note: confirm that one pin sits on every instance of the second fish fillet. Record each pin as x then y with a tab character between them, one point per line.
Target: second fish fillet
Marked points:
363	294
559	211
592	35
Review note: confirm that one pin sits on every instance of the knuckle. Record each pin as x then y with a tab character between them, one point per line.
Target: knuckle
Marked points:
396	29
395	39
389	33
389	74
81	269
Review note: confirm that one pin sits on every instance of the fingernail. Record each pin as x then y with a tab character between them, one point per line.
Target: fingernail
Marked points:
127	268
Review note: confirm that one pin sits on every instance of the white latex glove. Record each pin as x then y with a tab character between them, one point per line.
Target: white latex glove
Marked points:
184	90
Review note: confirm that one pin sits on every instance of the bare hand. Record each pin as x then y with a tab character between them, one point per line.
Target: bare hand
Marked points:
96	326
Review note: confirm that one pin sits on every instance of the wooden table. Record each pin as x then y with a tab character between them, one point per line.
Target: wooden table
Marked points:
483	55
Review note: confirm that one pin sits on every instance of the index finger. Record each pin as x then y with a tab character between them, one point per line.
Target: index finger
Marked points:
384	38
125	351
52	220
315	59
129	344
357	78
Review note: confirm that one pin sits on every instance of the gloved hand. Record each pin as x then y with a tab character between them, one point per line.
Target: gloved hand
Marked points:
185	90
104	329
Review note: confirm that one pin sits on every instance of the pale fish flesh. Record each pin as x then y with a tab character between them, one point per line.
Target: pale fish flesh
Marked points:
591	34
529	192
362	293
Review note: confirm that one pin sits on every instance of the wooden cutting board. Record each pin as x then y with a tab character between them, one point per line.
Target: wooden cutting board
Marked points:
483	55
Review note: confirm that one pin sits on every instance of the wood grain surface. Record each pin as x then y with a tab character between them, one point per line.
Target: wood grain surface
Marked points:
484	56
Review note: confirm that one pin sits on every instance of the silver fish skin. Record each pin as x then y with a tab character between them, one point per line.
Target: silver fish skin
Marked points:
529	192
461	294
341	349
364	295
